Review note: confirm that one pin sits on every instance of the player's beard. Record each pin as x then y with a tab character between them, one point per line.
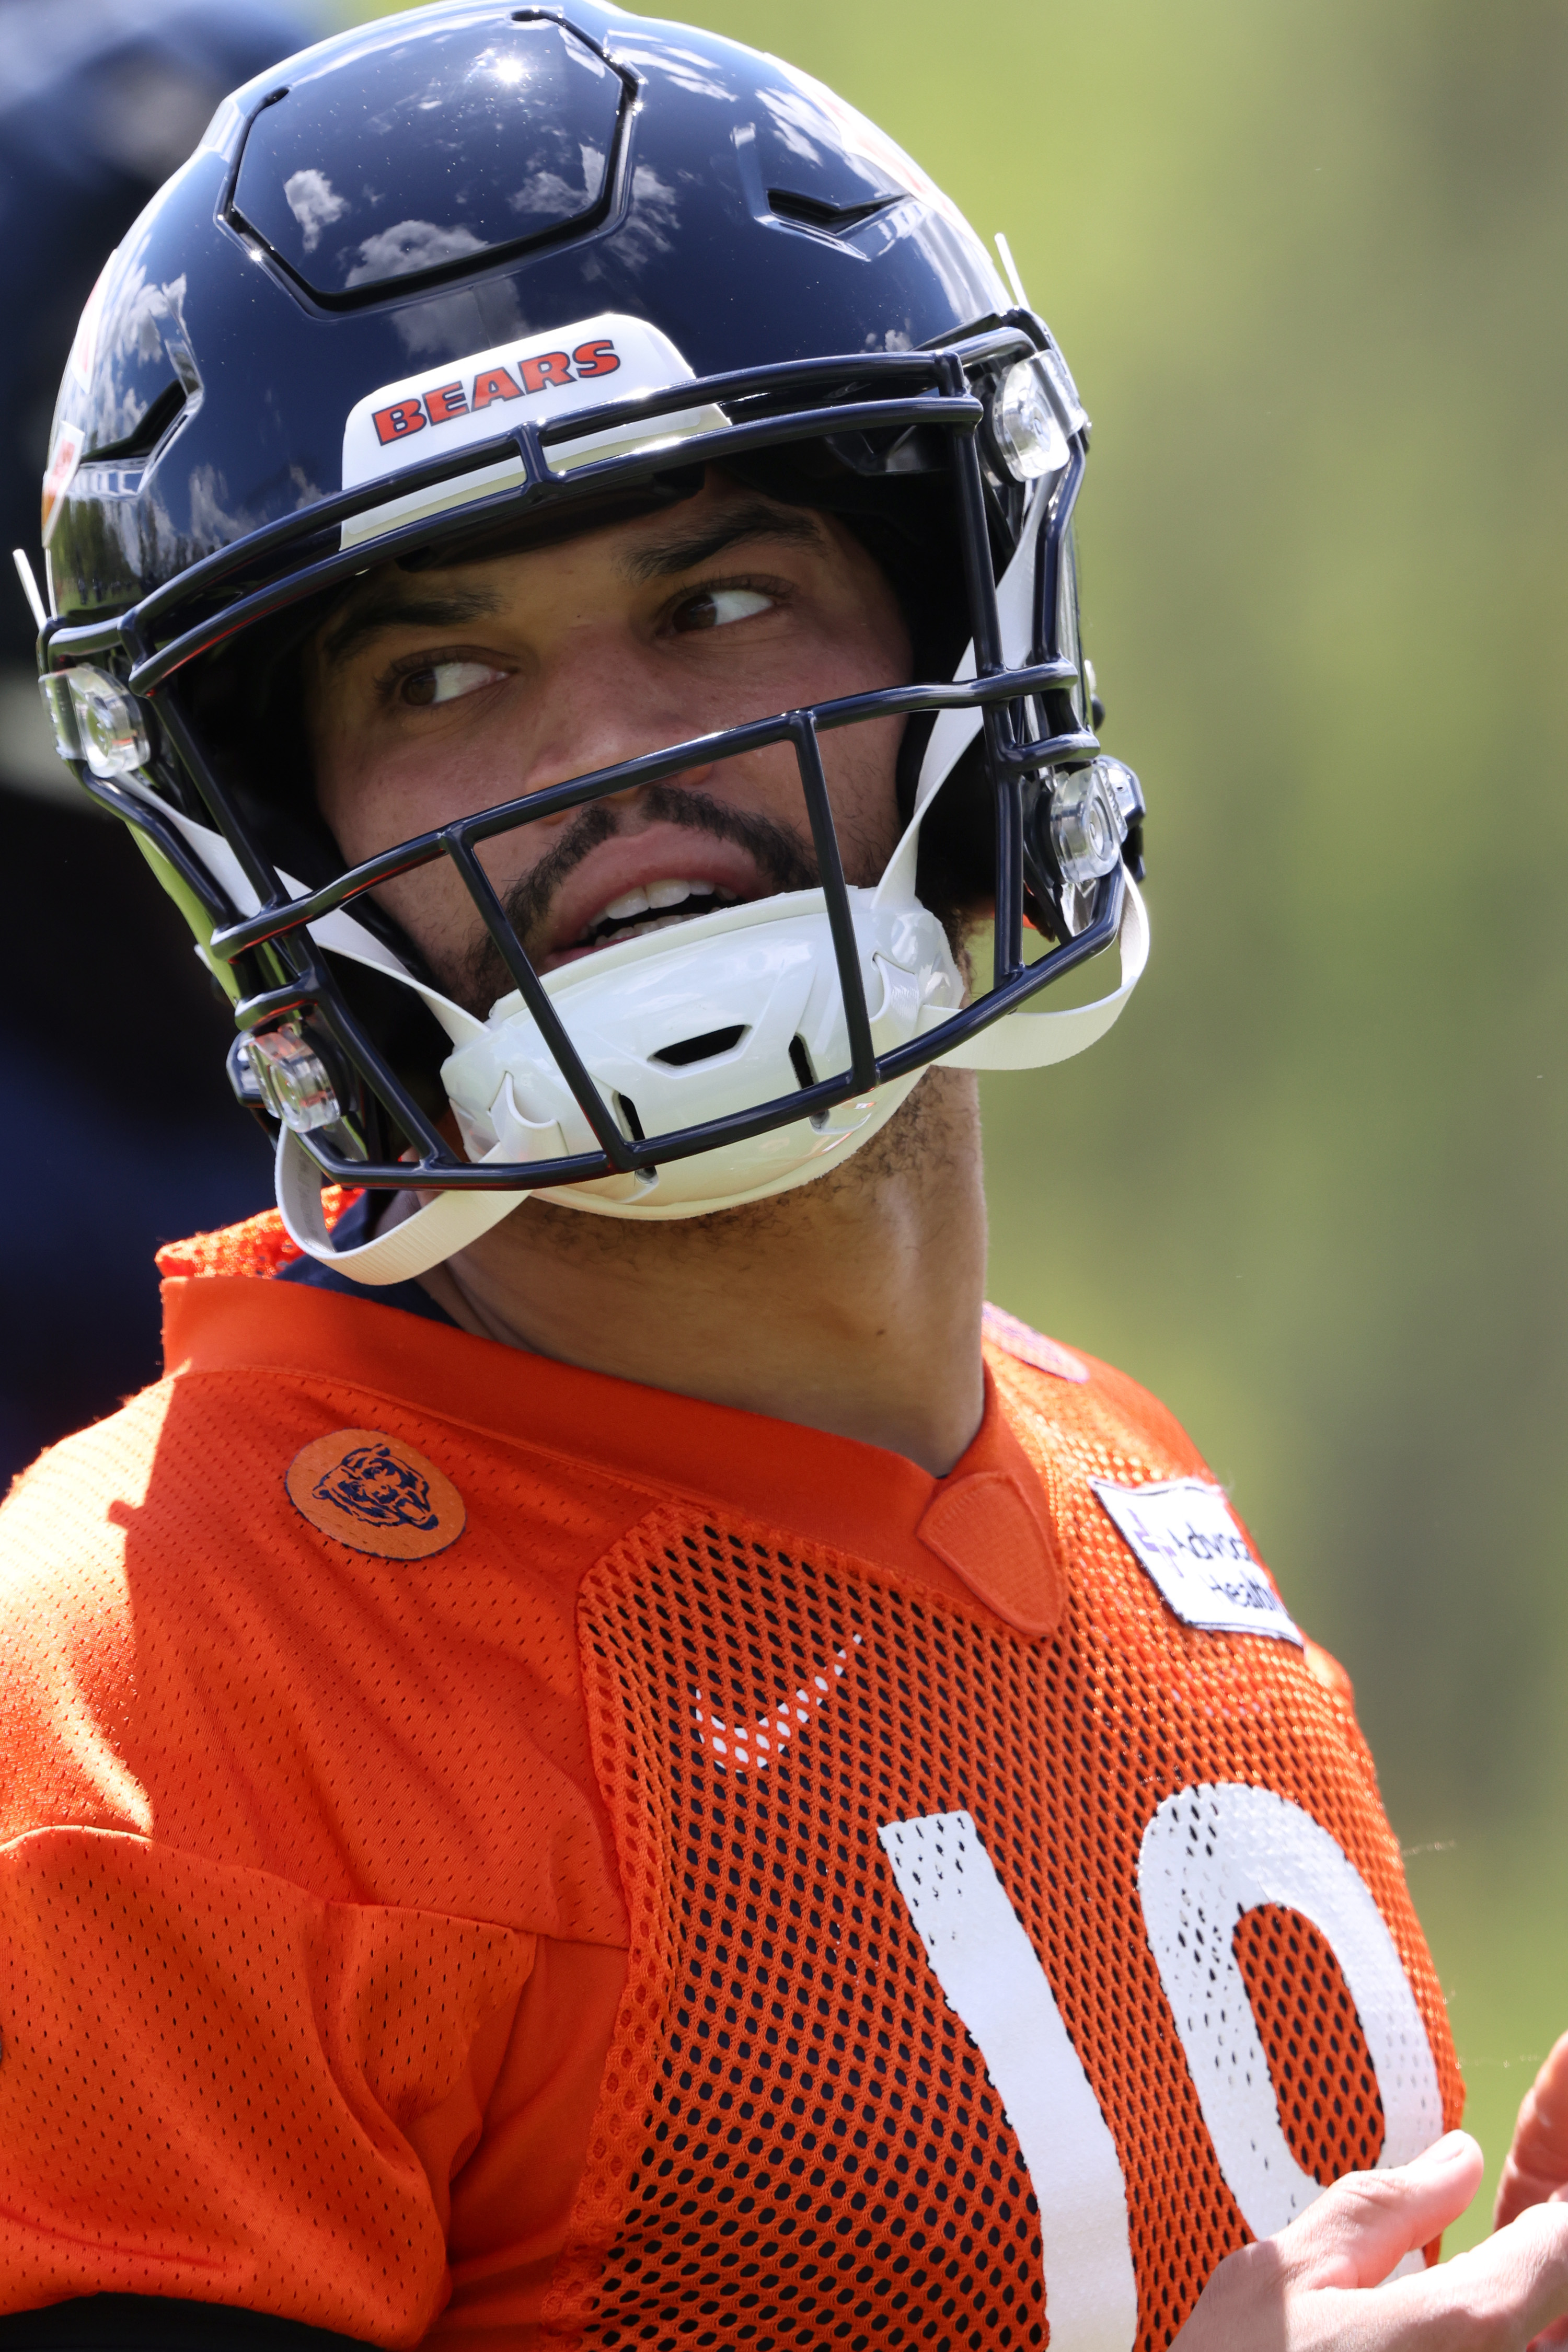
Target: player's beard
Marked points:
935	1127
783	861
933	1134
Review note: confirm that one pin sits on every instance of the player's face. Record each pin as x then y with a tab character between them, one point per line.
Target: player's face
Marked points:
434	694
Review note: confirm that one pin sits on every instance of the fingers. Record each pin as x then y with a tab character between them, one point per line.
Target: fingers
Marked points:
1358	2229
1316	2287
1500	2294
1538	2160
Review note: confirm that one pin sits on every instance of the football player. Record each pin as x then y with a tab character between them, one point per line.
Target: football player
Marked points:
609	1757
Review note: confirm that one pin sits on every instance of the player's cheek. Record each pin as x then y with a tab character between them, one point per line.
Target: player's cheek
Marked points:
435	909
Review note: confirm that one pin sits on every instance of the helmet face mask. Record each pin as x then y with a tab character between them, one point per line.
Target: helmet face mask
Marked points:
887	382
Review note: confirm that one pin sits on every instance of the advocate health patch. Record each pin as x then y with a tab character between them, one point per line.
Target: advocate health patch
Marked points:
374	1494
1182	1532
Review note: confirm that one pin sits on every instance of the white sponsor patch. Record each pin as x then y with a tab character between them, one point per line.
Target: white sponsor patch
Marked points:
586	365
1182	1531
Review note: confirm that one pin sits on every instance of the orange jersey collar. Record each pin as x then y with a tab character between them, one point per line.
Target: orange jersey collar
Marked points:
983	1528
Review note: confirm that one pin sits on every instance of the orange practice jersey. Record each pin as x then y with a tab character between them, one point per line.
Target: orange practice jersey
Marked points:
495	1855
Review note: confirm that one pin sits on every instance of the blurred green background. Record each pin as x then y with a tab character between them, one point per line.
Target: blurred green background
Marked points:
1308	262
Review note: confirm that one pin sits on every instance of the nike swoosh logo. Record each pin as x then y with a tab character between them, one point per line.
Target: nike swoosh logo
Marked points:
758	1742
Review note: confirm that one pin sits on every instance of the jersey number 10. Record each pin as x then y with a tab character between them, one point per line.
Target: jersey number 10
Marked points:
1210	1853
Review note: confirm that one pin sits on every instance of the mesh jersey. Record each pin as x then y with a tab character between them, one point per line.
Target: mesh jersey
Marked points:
715	1885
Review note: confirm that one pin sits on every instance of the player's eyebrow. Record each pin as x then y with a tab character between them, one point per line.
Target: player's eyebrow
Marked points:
385	609
679	550
685	551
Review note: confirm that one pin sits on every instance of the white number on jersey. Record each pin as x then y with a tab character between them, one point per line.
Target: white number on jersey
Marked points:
1209	1854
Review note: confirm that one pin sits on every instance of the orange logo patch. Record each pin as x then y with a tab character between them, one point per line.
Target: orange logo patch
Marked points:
374	1494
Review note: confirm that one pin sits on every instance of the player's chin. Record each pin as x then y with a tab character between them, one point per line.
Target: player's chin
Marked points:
935	1126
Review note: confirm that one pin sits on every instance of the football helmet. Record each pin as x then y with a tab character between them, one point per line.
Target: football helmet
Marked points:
478	278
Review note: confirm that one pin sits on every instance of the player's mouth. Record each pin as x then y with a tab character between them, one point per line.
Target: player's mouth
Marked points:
644	881
608	879
648	906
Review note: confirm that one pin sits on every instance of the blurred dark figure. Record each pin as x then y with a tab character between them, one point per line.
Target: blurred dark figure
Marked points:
120	1130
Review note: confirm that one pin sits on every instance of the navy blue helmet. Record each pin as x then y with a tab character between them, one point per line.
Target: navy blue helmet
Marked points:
99	102
477	278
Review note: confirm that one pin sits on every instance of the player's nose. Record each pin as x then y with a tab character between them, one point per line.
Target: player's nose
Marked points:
604	702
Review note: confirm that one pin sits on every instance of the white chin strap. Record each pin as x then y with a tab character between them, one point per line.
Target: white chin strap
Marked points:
1024	1040
1033	1037
432	1235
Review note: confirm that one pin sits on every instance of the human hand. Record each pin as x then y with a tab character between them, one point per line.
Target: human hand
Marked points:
1324	2284
1537	2167
1536	2172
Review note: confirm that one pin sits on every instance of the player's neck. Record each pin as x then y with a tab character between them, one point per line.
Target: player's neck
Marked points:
851	1303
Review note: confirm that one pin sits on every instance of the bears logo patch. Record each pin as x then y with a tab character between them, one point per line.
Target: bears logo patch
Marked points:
374	1494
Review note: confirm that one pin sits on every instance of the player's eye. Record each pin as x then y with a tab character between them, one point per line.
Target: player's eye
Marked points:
714	608
446	681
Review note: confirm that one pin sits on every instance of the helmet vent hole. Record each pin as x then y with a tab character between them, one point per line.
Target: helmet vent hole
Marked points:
699	1049
144	438
626	1112
831	220
801	1063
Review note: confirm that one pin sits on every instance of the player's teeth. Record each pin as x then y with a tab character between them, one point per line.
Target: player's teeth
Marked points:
637	930
636	902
